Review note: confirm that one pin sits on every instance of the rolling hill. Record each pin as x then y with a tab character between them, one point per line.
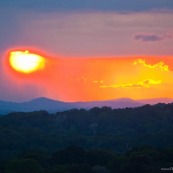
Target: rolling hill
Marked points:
52	106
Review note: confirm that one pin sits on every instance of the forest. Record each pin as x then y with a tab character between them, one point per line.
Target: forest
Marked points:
99	140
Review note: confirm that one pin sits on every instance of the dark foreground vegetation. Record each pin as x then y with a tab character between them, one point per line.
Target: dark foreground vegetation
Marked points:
101	140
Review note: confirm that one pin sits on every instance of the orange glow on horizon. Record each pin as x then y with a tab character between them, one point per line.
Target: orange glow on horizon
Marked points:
89	79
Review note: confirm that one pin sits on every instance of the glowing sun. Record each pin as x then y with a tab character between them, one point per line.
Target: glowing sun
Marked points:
26	62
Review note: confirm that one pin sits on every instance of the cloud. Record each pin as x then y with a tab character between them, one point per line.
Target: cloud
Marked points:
98	81
100	34
159	65
144	84
151	37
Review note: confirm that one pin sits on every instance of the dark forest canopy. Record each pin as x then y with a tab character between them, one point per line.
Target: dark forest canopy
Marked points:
114	130
118	129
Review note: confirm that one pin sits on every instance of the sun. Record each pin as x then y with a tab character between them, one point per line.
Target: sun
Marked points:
26	62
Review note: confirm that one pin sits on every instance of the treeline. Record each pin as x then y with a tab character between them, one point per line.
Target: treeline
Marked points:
75	159
118	130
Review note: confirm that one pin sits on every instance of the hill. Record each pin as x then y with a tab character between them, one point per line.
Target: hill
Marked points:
31	134
53	106
118	129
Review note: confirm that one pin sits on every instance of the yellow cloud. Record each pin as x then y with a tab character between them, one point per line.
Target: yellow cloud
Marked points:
97	81
160	65
144	84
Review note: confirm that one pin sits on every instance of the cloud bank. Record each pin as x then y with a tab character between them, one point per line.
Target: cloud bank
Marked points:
144	84
90	33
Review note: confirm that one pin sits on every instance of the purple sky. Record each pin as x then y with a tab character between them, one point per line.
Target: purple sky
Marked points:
85	29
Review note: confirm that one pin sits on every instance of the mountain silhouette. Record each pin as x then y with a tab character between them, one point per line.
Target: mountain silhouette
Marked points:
52	106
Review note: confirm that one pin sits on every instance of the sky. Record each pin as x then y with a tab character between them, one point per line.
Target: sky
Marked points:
93	50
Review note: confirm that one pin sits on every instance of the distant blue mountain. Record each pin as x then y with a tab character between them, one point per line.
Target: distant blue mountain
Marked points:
55	106
35	105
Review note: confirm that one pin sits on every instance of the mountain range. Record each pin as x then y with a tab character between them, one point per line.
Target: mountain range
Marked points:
52	106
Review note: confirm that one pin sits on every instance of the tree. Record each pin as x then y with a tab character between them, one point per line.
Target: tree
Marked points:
99	157
23	166
69	155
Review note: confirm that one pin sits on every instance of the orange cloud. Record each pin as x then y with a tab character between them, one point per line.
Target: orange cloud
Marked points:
144	84
160	65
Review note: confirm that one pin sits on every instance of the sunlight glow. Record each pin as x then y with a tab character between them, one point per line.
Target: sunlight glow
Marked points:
26	62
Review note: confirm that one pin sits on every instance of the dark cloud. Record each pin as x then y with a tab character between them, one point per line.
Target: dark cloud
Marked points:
151	37
119	5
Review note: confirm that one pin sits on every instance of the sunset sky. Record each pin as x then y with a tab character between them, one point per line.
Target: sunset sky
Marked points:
88	50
